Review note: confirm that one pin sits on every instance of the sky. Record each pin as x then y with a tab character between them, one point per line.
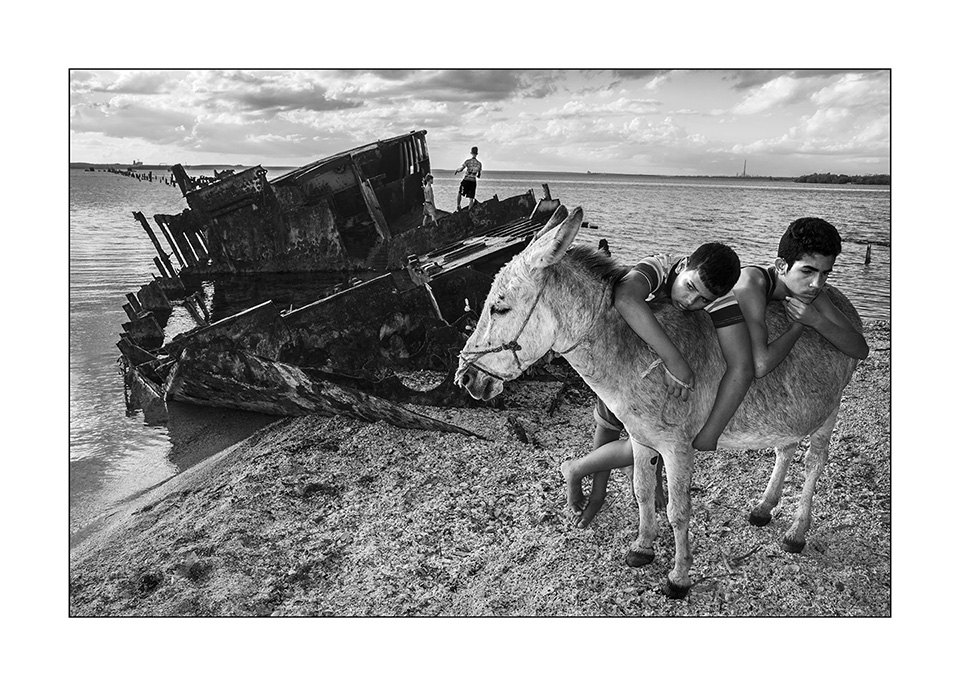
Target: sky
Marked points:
693	121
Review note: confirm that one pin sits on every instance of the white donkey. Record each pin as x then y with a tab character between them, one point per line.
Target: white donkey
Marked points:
549	298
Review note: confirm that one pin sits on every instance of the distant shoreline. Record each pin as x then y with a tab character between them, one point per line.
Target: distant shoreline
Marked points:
166	167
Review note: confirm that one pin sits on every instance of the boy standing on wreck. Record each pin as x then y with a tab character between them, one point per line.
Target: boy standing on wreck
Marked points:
468	187
429	207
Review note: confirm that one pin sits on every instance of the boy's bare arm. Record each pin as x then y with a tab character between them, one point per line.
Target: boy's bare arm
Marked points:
630	300
753	303
735	344
823	317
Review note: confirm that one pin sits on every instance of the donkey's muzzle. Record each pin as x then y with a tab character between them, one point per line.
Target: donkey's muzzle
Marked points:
480	385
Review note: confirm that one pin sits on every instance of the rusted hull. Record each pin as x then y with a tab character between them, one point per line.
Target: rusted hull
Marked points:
408	306
347	212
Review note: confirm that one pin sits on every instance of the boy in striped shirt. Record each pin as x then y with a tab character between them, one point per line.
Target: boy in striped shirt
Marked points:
702	281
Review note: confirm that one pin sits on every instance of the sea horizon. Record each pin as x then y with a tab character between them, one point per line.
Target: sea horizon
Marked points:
489	172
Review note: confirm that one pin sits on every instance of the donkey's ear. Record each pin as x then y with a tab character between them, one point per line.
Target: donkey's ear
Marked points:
553	222
549	248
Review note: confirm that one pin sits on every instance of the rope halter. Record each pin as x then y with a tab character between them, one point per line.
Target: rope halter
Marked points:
514	345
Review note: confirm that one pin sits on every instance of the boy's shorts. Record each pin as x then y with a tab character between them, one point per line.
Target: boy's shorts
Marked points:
468	188
605	417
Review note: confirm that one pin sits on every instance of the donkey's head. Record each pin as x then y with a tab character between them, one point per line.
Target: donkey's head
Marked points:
515	328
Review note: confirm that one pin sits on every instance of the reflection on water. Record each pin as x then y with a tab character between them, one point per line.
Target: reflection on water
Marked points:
114	456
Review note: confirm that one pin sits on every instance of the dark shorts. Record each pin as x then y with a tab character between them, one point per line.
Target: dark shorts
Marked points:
605	417
468	188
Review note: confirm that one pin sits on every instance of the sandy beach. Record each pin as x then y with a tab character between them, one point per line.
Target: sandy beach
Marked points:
323	516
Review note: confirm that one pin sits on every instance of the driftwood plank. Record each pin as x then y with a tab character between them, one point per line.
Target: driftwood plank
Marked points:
239	380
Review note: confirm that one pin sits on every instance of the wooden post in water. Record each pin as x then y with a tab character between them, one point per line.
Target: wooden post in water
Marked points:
866	260
156	244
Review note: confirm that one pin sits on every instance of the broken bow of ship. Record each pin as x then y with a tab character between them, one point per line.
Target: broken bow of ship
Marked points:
319	291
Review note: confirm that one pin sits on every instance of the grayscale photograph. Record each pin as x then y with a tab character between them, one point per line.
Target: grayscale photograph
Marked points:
510	343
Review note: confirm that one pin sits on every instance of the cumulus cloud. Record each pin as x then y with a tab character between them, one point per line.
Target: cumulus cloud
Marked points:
781	90
131	120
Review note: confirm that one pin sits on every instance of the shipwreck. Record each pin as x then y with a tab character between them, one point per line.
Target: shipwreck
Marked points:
318	291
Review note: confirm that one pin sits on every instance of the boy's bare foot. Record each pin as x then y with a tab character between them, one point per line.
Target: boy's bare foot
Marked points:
589	512
575	498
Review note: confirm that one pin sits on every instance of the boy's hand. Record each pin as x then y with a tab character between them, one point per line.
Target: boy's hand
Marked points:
705	441
799	311
679	380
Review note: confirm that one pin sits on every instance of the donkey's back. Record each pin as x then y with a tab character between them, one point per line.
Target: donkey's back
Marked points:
790	402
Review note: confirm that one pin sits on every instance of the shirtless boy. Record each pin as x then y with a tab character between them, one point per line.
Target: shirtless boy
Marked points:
805	257
699	282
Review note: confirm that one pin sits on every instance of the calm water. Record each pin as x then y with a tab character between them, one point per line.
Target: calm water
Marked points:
114	455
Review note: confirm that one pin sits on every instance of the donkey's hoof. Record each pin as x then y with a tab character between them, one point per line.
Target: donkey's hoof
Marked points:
759	519
639	559
674	592
792	546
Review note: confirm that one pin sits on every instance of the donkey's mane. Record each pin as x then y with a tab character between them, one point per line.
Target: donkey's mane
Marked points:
597	263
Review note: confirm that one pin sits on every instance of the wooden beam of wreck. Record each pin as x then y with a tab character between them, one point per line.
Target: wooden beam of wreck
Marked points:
243	381
186	251
196	242
152	297
194	311
134	302
156	244
163	270
133	352
370	198
166	234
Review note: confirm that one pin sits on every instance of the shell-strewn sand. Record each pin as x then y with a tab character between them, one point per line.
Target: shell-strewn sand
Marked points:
328	516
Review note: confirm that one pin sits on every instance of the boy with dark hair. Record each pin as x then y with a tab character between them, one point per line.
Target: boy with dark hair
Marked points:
805	257
468	186
701	281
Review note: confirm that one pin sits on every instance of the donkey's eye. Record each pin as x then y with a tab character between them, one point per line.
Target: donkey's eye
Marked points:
494	309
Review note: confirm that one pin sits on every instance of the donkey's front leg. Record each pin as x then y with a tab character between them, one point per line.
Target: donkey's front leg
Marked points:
678	461
644	478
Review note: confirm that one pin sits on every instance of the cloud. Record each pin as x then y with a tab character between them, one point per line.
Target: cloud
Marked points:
855	91
621	106
130	120
779	91
747	79
269	99
460	85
